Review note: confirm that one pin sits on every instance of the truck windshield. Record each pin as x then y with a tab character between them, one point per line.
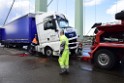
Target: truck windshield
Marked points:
62	22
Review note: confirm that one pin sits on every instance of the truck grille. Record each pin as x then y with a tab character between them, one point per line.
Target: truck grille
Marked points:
70	35
72	41
72	45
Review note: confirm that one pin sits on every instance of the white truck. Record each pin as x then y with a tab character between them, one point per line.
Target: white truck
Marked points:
49	26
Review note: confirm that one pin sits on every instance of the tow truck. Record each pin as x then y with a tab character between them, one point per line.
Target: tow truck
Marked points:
107	49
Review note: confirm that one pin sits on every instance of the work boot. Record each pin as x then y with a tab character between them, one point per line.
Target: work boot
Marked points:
66	71
63	71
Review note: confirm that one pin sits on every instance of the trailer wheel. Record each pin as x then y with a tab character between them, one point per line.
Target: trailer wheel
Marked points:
48	51
104	59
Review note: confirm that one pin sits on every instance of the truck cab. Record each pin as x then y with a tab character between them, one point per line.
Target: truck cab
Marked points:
108	44
48	27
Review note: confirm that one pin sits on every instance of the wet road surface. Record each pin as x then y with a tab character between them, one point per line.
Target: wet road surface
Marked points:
30	69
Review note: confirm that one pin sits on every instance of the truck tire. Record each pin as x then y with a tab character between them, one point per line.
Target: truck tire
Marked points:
104	59
48	51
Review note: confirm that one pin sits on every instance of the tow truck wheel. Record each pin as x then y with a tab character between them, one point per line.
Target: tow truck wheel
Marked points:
104	59
48	51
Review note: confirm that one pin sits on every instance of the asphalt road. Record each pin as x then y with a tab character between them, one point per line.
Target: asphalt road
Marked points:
30	69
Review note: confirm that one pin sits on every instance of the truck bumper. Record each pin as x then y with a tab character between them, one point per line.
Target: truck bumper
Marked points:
56	53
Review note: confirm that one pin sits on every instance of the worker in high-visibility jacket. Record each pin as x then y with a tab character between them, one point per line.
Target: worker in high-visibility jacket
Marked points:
35	40
64	54
33	44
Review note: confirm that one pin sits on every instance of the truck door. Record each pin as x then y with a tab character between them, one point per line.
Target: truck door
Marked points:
50	33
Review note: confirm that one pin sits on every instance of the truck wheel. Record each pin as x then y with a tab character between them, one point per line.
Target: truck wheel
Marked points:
48	51
104	59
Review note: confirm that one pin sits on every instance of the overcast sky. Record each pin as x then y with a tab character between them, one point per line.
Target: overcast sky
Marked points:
93	10
100	11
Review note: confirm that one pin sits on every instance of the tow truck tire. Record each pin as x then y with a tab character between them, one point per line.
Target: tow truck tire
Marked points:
48	51
104	59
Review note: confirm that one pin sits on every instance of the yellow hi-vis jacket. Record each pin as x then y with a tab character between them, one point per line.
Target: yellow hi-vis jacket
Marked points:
63	38
64	58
